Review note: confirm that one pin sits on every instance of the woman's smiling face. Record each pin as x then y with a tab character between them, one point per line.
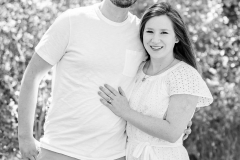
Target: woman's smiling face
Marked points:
159	37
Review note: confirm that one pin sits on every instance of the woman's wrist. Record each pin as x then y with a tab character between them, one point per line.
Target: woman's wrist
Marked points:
128	114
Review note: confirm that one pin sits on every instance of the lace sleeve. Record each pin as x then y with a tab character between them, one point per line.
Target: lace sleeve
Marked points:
186	80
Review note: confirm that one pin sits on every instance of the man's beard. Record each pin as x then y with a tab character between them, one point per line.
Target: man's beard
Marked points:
123	3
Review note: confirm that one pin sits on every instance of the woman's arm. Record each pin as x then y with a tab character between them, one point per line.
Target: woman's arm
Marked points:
180	111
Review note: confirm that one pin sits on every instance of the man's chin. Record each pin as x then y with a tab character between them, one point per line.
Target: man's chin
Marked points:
123	3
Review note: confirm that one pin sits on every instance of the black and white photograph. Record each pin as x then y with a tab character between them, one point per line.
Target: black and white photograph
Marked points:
119	80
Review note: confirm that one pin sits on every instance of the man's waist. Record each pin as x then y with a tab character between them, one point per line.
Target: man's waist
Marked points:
85	152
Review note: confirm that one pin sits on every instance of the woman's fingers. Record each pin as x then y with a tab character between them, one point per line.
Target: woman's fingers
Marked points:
121	91
111	89
104	96
107	92
104	102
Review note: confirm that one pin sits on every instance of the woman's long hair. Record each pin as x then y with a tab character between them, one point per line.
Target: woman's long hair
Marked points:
182	50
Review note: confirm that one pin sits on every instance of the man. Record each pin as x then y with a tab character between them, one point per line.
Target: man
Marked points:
88	46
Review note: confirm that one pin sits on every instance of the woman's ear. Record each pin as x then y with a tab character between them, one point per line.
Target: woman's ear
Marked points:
177	40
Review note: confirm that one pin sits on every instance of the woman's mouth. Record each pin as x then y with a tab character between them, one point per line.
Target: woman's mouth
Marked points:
156	48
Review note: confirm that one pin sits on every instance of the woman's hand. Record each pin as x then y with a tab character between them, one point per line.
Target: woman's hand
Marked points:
116	101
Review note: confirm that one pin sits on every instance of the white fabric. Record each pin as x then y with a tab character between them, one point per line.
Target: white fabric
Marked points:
88	50
151	98
146	149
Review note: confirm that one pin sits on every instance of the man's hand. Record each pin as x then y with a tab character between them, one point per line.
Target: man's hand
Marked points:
187	131
29	148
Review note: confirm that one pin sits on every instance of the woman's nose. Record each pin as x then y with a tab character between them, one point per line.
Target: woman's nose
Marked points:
156	39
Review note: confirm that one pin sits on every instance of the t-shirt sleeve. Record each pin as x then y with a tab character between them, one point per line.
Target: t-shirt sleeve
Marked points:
53	44
186	80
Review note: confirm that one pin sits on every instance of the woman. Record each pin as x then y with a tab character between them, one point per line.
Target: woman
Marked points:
168	82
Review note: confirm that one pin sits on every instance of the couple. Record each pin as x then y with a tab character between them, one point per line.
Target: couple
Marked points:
103	78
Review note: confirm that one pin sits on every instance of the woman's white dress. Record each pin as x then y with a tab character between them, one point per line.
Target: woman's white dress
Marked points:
151	98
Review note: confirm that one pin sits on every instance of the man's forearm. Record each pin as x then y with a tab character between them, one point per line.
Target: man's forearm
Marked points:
26	107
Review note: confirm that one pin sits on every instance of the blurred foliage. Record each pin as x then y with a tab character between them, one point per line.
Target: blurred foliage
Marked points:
214	27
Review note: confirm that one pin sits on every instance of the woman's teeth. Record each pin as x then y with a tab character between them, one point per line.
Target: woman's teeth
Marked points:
156	47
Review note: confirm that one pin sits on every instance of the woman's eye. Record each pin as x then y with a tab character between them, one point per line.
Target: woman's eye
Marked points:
149	31
164	33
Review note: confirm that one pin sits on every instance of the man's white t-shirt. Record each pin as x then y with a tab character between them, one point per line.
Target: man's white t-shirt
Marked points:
88	50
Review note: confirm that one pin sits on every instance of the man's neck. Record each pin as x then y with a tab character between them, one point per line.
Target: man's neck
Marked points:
112	12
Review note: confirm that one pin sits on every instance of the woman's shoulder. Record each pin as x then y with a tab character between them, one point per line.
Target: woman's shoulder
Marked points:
184	74
184	69
185	79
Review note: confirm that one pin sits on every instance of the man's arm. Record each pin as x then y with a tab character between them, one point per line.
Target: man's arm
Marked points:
33	75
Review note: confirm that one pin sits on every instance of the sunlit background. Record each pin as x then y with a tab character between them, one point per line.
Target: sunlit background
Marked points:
214	26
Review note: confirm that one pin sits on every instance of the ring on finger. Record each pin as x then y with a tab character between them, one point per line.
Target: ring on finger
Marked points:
110	101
